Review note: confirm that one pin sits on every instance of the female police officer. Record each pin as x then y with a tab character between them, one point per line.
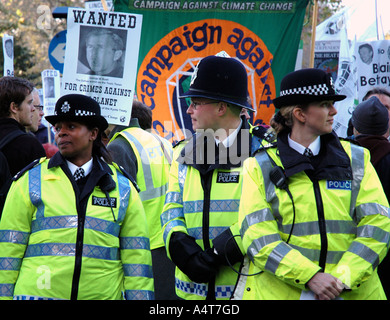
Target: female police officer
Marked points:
71	235
315	222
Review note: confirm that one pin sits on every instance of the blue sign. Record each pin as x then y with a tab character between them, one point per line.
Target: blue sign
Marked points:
57	51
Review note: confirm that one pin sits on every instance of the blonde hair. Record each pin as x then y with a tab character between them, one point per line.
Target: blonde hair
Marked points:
283	119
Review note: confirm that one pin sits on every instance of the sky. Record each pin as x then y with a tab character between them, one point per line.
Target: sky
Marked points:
365	12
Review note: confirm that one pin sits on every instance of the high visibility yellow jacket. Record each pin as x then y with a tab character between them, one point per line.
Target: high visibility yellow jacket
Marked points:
56	243
206	209
341	223
153	157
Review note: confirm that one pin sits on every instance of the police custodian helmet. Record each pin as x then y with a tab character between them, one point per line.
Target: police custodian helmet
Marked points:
220	78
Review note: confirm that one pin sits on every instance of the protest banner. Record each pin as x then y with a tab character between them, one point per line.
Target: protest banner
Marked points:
263	35
333	43
346	84
373	66
8	53
326	56
101	59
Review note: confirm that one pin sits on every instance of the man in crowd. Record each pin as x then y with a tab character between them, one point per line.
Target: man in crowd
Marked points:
16	111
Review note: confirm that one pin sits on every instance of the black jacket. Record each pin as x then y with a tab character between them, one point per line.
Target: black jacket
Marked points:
332	163
380	157
21	151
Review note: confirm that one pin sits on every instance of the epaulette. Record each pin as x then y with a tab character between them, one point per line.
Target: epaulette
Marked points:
259	131
267	134
127	175
28	167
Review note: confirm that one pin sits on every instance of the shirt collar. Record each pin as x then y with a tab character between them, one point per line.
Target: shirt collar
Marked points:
86	166
314	146
230	138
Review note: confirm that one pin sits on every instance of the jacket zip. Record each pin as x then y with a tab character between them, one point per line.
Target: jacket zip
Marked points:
206	184
321	225
81	211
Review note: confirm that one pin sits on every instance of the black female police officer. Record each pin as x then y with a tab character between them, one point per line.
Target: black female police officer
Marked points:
70	233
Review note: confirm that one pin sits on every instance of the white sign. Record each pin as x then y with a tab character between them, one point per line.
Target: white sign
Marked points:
8	53
373	66
103	62
50	89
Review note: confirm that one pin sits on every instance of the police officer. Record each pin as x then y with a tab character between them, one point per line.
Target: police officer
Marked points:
314	219
201	207
147	159
74	227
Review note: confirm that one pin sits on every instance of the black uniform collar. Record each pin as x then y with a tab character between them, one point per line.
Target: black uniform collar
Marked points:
99	169
194	152
332	163
58	160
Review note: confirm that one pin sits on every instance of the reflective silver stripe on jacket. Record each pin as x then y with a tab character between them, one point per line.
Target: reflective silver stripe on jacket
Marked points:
34	182
139	295
12	236
131	243
138	270
182	173
124	196
96	224
151	192
357	164
171	214
43	223
69	249
10	263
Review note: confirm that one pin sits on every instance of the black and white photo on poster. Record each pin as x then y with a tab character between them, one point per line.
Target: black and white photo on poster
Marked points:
101	59
372	65
8	55
101	51
50	89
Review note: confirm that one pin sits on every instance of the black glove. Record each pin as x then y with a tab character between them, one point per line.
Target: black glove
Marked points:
188	256
202	267
227	248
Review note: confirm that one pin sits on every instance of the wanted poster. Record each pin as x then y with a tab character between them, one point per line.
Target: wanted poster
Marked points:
101	59
50	89
8	53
